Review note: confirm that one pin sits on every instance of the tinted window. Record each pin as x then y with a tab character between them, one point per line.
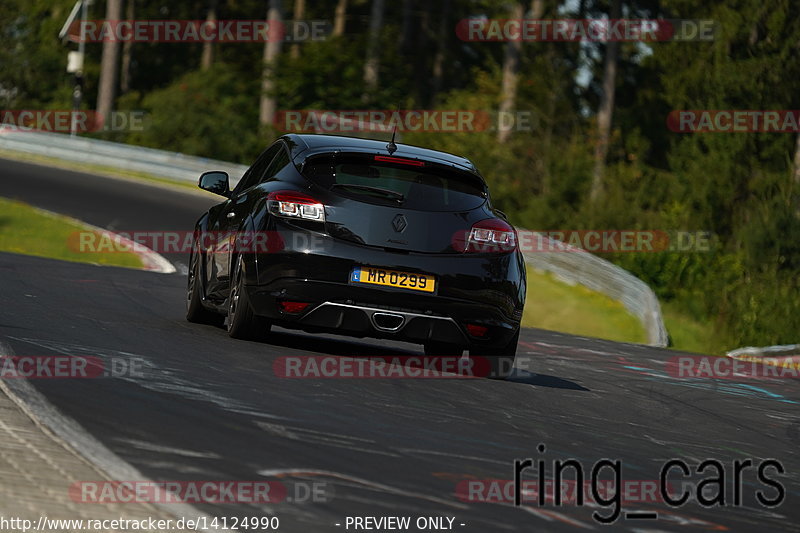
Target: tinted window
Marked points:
259	168
277	164
429	187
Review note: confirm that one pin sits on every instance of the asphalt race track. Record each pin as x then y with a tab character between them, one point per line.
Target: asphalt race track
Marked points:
208	407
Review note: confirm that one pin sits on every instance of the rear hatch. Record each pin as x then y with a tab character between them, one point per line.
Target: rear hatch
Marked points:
397	203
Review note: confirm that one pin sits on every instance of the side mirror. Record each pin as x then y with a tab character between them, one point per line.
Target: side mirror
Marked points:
215	181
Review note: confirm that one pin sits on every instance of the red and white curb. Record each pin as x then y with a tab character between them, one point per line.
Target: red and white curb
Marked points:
786	355
151	261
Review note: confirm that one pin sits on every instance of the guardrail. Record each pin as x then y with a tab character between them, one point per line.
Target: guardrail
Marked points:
783	351
158	163
571	265
574	265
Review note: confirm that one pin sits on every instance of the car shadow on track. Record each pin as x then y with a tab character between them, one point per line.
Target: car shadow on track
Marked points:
326	344
350	348
543	380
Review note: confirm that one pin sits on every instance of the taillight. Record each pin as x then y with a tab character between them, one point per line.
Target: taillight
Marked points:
293	204
491	235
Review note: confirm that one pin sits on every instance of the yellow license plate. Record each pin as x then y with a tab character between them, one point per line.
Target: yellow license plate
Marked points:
394	278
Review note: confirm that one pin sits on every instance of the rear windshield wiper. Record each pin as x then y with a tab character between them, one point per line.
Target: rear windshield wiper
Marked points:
386	193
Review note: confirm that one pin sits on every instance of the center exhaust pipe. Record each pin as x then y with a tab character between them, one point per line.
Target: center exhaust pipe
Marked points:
387	321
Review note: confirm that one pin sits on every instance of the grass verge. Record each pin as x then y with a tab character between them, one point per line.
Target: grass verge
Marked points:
688	334
30	231
557	306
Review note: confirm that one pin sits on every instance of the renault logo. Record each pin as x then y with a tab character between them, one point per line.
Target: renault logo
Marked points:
399	223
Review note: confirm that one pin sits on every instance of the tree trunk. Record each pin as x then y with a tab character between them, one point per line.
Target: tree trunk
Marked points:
299	13
796	185
109	66
606	111
511	59
407	28
272	49
127	52
339	18
537	9
373	49
441	49
207	58
421	47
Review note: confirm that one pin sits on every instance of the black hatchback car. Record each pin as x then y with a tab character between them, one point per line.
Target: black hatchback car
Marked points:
361	238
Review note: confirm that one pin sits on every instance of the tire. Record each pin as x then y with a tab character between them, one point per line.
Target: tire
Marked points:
195	312
241	322
501	360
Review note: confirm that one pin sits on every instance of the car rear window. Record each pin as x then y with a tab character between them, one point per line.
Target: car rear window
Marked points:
422	186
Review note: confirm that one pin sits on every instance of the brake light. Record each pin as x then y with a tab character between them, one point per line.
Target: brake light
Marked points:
293	204
477	331
399	160
491	235
293	308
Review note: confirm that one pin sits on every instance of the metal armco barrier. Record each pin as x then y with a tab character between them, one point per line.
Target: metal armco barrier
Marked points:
157	163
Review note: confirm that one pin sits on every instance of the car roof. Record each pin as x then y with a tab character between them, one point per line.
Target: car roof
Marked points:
304	145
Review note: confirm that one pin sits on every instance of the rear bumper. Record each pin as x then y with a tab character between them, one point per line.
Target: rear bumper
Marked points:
481	289
364	321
